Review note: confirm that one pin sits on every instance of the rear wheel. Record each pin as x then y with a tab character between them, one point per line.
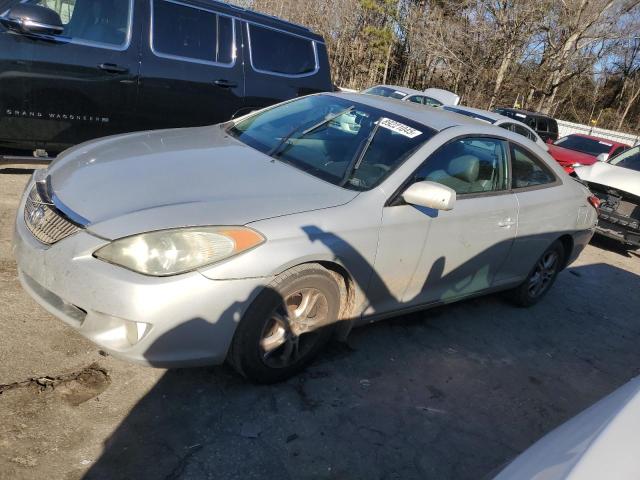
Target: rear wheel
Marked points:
542	277
287	325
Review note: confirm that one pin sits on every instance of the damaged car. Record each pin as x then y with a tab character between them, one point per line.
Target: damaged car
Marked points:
257	240
616	183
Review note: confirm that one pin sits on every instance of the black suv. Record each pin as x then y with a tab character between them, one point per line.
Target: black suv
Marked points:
74	70
544	125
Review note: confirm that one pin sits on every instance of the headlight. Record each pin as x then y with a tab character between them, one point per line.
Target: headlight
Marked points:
170	252
577	165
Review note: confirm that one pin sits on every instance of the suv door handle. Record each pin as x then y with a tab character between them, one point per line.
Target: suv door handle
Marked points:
113	68
506	223
222	83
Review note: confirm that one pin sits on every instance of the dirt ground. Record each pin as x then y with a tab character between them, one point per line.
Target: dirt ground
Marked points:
451	393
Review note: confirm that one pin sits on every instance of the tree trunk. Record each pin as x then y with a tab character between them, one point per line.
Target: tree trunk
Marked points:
634	97
502	71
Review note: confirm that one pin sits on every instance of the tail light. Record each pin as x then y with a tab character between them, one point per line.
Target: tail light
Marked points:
594	201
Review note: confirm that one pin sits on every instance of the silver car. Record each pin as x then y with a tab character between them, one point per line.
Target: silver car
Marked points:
257	240
433	97
501	121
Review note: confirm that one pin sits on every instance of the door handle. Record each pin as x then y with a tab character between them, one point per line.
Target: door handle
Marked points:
222	83
113	68
506	223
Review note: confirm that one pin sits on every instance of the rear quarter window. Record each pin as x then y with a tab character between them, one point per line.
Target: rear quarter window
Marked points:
273	51
528	170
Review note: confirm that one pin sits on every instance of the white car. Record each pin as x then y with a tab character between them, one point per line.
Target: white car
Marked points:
499	121
616	182
600	443
433	97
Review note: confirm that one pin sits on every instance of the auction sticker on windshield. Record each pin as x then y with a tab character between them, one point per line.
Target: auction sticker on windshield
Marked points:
400	128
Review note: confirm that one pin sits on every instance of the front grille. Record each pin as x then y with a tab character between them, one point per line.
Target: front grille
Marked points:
44	220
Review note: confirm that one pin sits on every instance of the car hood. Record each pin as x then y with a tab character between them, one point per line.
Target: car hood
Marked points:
565	157
147	181
599	443
620	178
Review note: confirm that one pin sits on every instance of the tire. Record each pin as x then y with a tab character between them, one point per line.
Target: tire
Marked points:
541	278
287	325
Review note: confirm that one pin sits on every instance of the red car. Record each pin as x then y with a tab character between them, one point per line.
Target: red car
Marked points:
576	149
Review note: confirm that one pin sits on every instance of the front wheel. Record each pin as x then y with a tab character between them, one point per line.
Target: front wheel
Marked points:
287	325
542	277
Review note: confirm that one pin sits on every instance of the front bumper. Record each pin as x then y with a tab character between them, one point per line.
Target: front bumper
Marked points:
186	320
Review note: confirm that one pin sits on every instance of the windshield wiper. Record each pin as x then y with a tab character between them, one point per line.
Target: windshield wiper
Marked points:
357	159
306	132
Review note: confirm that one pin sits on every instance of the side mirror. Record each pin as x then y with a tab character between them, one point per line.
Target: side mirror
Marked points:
430	195
603	157
29	18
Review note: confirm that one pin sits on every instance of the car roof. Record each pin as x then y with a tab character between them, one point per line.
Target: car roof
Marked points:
260	18
528	112
493	117
407	90
435	118
599	139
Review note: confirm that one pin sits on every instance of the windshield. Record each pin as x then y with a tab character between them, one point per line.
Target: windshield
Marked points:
340	141
629	159
586	145
386	92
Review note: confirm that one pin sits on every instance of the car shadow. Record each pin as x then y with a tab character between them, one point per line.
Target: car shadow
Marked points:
614	246
452	392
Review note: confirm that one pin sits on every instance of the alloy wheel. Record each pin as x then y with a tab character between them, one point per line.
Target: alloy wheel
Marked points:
293	327
544	273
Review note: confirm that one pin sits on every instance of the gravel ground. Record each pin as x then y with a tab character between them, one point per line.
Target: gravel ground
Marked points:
452	393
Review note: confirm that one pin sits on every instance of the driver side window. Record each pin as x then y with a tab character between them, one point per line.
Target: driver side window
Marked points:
468	166
100	21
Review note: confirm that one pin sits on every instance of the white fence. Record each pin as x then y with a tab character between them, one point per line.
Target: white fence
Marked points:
567	128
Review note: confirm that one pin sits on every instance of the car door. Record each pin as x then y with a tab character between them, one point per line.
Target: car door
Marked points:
542	211
191	74
17	112
84	81
427	256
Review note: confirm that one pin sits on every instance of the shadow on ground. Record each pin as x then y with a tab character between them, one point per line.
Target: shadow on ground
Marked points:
615	246
453	392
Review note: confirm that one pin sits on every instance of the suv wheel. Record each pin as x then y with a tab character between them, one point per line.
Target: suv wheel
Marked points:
287	325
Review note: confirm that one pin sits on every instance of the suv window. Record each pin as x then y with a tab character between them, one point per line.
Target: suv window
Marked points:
104	22
543	125
468	165
528	171
193	33
416	99
278	52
